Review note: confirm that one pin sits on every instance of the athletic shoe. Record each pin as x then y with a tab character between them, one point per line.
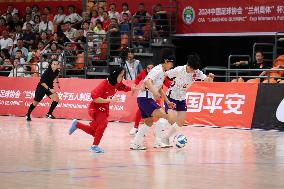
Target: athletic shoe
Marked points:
166	141
159	144
28	118
73	126
137	147
50	116
96	149
133	131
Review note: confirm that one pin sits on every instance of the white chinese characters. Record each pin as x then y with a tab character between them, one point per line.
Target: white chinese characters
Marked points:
213	102
234	103
194	101
10	94
228	104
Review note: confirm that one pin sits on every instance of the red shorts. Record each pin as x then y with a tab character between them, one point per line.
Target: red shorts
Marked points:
92	111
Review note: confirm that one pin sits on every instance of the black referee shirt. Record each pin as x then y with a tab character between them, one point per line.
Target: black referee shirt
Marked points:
48	77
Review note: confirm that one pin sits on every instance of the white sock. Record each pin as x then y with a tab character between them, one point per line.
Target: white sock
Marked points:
173	129
159	127
142	130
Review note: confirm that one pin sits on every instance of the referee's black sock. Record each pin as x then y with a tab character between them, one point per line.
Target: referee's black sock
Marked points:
52	107
31	108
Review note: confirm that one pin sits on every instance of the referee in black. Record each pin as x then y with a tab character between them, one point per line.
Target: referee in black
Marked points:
45	87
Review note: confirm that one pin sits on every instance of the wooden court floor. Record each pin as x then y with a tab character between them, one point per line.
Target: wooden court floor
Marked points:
42	155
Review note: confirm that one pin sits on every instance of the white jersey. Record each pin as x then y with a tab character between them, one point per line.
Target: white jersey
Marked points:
157	75
181	81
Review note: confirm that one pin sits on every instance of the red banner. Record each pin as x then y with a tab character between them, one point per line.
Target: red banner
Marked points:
16	94
230	17
215	104
221	104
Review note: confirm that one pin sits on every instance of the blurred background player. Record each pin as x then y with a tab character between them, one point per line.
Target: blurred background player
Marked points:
183	77
45	87
102	96
147	96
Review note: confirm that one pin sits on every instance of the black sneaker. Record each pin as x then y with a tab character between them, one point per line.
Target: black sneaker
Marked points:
28	118
50	116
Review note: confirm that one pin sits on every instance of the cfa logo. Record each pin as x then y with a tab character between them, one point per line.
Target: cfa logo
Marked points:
188	15
280	111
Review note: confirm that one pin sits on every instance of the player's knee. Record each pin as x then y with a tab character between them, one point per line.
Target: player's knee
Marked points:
149	122
54	98
171	119
164	115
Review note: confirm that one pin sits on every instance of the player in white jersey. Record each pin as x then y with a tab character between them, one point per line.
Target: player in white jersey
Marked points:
183	77
147	96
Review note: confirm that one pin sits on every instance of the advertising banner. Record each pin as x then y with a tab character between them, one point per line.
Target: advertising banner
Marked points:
221	104
16	94
209	104
223	17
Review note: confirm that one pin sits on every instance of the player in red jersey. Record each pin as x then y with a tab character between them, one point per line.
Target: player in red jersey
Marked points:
102	96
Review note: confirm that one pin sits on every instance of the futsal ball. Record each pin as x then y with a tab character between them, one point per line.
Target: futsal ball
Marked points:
180	140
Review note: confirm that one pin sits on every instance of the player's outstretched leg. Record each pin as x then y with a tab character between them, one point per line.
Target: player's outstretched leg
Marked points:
89	129
73	127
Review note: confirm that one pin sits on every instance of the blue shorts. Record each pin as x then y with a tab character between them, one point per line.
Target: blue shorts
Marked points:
180	105
147	106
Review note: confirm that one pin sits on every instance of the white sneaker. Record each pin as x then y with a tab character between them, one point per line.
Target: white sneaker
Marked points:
137	147
159	144
133	131
166	141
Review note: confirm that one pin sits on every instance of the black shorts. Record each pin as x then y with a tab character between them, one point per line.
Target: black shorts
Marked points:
40	92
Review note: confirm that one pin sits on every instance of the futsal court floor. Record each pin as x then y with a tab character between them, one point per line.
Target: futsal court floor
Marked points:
41	155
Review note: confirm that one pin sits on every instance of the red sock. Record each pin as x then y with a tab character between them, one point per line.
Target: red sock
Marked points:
90	129
137	119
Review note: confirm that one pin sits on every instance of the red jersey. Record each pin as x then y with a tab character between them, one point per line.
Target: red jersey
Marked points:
144	73
141	76
105	90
